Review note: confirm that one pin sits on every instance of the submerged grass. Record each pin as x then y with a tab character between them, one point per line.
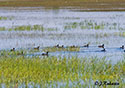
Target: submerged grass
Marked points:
91	24
122	34
28	28
6	18
12	53
3	18
2	28
52	71
54	49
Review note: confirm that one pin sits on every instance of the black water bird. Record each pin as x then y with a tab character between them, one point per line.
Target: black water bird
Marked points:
122	47
37	48
61	46
45	54
87	45
72	46
103	50
101	46
13	49
57	46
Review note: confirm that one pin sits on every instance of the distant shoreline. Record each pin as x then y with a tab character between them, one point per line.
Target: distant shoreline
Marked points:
86	6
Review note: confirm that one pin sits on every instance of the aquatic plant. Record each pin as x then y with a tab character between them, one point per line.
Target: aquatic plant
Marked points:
91	24
51	71
122	34
2	28
54	49
6	18
3	18
12	53
28	28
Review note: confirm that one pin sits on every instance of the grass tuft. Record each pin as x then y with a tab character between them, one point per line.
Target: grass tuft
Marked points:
52	71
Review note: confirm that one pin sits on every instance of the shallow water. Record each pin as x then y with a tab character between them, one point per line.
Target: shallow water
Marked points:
59	18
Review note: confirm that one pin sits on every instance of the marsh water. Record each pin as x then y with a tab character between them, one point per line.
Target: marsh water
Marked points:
71	27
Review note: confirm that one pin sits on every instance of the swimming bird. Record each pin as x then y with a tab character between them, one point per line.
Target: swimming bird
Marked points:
72	46
45	54
57	45
122	47
87	45
61	46
101	46
103	50
37	48
13	49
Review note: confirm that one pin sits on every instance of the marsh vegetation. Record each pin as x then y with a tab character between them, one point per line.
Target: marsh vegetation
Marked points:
59	72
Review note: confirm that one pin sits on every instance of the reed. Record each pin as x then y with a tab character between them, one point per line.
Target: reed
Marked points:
52	71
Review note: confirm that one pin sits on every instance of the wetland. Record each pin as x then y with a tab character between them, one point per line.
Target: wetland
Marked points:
28	33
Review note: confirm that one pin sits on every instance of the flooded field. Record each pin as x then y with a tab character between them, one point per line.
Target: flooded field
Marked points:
66	34
48	27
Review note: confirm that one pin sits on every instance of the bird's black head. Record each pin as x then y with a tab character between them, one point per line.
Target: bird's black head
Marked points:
57	45
122	46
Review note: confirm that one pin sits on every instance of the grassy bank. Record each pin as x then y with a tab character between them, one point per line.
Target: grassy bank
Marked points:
51	71
85	4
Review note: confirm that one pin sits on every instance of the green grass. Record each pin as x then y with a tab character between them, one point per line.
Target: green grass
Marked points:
34	27
5	18
2	28
28	28
51	70
122	34
54	49
92	25
13	53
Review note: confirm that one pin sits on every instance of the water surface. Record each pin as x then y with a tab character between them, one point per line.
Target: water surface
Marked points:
69	31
